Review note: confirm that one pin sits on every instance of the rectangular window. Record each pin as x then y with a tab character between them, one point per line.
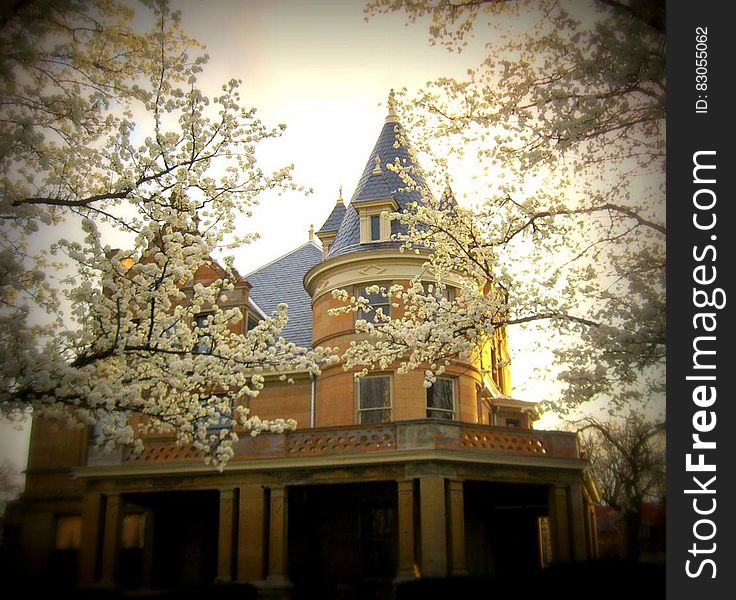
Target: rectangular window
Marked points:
252	322
448	292
374	400
203	344
441	399
377	301
375	228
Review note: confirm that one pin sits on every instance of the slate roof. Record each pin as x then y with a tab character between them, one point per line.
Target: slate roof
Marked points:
333	221
281	280
371	186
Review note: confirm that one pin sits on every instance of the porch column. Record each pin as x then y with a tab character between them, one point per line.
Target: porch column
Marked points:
278	536
558	523
432	523
457	527
225	537
407	558
577	521
250	533
92	511
111	542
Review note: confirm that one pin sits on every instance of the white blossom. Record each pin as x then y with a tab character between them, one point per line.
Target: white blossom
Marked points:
120	140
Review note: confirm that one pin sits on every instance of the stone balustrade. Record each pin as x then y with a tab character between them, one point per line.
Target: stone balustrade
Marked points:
407	436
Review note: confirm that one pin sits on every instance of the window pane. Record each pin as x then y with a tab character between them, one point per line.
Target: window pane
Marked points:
441	398
204	341
375	227
374	392
252	322
440	414
440	394
375	417
448	292
377	300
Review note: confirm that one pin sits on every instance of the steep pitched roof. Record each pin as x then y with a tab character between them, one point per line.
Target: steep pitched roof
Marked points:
281	280
391	145
374	187
336	216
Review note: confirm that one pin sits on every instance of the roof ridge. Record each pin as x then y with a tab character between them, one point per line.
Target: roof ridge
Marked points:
284	255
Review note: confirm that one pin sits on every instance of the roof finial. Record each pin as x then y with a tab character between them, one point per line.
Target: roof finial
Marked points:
311	233
448	196
377	168
339	197
391	117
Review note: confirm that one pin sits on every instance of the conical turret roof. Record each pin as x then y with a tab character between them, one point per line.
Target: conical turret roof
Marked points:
332	224
379	181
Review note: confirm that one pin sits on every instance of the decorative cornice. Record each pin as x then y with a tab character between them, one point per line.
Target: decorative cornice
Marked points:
363	267
343	460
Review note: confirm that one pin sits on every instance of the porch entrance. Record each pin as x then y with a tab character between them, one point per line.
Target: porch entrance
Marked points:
342	540
502	528
178	540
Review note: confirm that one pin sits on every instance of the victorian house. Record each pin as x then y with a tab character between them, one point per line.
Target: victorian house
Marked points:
383	481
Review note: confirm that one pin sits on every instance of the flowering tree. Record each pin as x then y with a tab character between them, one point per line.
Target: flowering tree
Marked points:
564	121
103	130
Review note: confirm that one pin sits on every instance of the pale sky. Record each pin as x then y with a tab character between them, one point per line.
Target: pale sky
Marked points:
322	70
325	72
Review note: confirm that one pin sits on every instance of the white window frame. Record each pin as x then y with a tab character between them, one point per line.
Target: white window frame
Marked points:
358	404
453	412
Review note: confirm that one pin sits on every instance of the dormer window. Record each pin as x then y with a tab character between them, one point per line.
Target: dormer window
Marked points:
375	224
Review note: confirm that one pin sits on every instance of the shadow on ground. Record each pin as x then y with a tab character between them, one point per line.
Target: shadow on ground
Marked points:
603	580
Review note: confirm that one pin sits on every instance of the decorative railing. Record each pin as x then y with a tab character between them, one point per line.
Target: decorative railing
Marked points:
161	451
401	436
330	441
504	441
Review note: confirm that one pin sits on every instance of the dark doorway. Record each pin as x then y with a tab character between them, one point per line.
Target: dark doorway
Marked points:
342	540
180	544
502	527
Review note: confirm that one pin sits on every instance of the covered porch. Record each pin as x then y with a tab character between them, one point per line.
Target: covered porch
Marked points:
358	508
